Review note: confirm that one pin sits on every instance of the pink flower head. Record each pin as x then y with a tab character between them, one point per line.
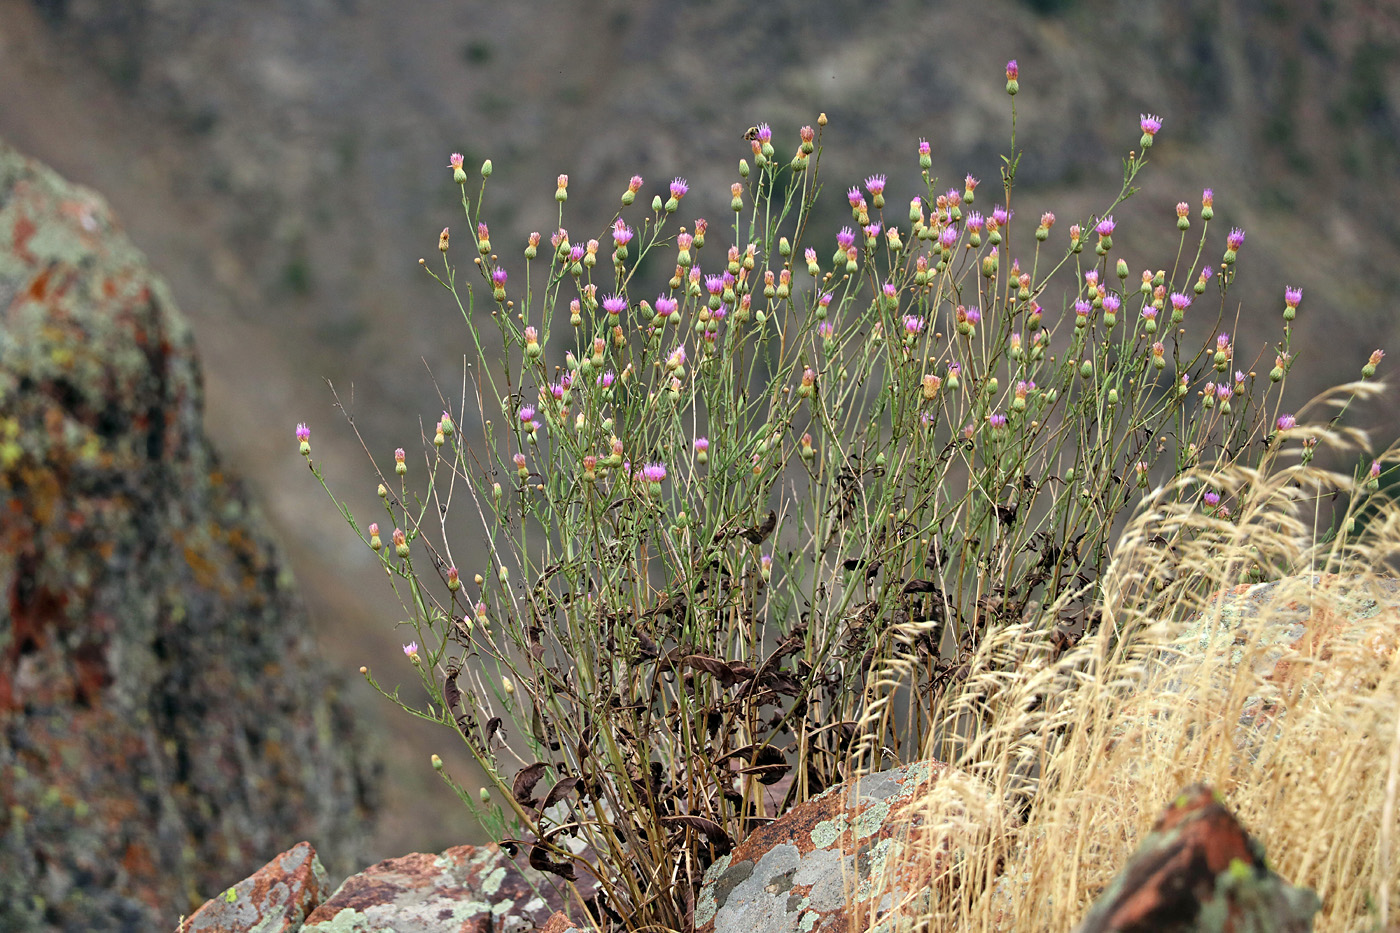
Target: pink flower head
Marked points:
621	234
765	133
399	455
1013	71
875	184
483	232
679	186
1235	240
654	472
614	304
498	277
824	300
826	330
997	421
527	412
1182	209
872	230
972	315
677	357
714	284
924	148
1180	302
1149	313
913	324
1001	215
970	183
1082	308
974	222
853	196
1207	198
890	290
1105	226
1111	304
303	433
948	237
846	238
811	255
635	184
665	306
1291	296
702	445
456	161
1150	123
1287	422
1091	278
606	380
1375	471
1047	220
1206	273
411	649
576	253
1222	342
1211	498
684	240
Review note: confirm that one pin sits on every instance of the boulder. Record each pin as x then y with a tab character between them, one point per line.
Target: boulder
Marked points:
847	856
165	720
275	899
466	889
1198	871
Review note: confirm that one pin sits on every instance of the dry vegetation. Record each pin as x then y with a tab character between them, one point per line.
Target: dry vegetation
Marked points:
1187	681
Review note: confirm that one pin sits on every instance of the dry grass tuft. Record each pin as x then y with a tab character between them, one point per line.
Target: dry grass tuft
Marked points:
1255	653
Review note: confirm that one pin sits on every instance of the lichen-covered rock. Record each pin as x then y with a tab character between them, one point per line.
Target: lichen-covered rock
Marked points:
846	858
1200	872
466	889
275	899
164	721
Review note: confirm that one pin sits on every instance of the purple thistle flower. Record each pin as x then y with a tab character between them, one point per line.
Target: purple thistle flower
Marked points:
924	148
498	277
702	445
1150	123
410	649
1149	313
1111	304
1180	302
913	324
665	306
973	315
765	133
974	222
1222	391
997	421
527	412
606	380
811	255
948	237
1013	71
1222	342
714	284
1211	498
621	234
825	299
872	230
1287	422
1105	226
875	184
303	433
1001	215
654	472
1206	274
614	304
890	290
1208	198
576	252
1375	471
1082	308
679	187
456	161
853	196
846	238
826	330
1291	296
1235	240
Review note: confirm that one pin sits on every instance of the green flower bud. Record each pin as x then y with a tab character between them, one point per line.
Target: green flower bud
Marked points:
486	169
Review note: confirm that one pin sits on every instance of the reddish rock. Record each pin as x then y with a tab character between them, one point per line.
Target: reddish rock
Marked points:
1199	872
559	923
165	719
834	863
467	889
276	899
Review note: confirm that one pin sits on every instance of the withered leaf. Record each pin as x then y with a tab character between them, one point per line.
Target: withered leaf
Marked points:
526	778
559	791
713	666
922	586
492	726
540	861
763	529
712	831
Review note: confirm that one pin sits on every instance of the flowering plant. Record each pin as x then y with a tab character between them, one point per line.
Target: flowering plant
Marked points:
716	510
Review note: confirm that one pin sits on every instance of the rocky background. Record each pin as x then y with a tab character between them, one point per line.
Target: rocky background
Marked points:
283	163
